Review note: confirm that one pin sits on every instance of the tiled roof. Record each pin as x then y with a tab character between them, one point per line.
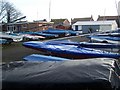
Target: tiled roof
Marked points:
58	21
107	18
81	19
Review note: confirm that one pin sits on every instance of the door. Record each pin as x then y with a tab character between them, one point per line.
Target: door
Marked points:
76	27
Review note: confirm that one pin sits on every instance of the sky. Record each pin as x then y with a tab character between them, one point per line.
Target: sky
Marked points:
39	9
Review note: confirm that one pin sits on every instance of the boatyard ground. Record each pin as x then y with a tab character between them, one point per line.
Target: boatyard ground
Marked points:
16	52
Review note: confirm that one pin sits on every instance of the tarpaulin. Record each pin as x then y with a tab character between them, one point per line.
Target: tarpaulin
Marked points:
88	74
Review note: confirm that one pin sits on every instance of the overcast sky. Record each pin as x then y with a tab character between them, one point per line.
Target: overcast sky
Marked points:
39	9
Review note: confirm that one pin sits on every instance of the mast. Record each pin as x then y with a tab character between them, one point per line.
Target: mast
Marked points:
117	13
49	9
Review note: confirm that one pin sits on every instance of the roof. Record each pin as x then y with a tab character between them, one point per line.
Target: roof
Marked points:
95	22
45	22
107	18
82	19
58	21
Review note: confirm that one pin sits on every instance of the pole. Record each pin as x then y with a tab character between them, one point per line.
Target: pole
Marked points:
49	9
117	13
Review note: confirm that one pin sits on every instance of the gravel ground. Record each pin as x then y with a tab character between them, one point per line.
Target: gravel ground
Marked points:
16	52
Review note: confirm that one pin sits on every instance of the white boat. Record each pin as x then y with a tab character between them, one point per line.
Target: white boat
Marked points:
16	38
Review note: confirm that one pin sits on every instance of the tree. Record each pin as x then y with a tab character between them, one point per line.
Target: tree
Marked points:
8	12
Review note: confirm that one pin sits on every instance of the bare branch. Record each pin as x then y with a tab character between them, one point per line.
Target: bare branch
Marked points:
7	7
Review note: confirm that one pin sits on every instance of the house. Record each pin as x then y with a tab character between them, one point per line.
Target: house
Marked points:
94	26
81	19
27	26
104	18
61	23
3	27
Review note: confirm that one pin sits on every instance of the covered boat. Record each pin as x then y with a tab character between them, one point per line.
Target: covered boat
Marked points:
38	57
4	40
89	74
61	32
115	40
33	37
46	35
110	34
105	38
15	38
86	44
69	51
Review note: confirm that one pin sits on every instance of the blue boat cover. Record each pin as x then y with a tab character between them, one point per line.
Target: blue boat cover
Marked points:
107	38
85	44
89	74
58	31
38	57
69	50
44	34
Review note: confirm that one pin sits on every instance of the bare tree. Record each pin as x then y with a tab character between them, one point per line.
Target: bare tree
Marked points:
8	12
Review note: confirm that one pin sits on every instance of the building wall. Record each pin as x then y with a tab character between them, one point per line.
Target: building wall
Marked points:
94	28
90	28
62	25
86	28
76	27
4	27
66	22
105	27
32	26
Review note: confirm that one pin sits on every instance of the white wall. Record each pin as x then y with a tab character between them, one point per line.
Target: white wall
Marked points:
79	27
105	27
112	26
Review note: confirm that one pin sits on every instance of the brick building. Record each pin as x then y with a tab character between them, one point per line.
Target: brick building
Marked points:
27	26
61	23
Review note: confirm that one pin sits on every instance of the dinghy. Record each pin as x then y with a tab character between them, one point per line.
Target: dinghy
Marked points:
106	39
69	51
61	32
38	57
86	44
15	38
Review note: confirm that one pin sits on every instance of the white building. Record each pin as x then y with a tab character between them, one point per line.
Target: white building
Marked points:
94	26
